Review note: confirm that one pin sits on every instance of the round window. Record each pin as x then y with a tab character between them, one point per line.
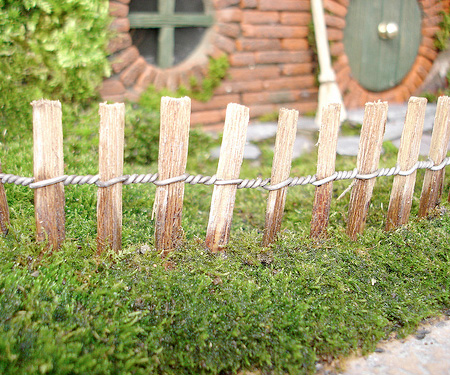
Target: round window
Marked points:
166	32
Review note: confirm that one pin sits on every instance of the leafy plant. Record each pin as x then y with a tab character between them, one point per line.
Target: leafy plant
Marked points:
53	49
443	35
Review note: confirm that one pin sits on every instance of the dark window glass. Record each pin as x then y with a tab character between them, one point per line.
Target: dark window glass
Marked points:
186	40
144	6
189	6
146	40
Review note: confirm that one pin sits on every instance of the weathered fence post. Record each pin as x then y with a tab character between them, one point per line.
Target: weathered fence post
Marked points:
433	182
48	163
173	150
4	209
281	168
109	199
408	154
371	140
326	161
230	161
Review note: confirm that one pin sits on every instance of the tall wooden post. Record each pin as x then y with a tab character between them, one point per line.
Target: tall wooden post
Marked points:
48	163
328	136
109	199
173	151
372	132
4	209
433	182
408	154
281	168
230	161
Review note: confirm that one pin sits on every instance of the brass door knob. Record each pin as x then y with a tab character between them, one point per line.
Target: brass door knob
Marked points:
387	30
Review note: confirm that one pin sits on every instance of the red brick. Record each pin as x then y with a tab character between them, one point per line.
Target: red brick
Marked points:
288	83
333	21
242	59
295	44
274	57
258	31
223	43
335	8
146	78
430	31
231	30
132	96
258	110
431	21
412	80
337	48
173	80
345	3
257	17
297	69
295	18
112	86
118	9
229	15
420	68
305	107
160	80
132	72
335	34
119	42
270	97
220	4
207	117
435	9
429	53
240	86
284	5
120	25
124	59
425	62
343	78
244	44
216	102
259	72
249	4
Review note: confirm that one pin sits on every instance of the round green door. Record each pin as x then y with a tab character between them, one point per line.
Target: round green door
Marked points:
381	40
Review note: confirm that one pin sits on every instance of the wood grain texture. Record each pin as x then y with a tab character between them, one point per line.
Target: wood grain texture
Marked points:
371	140
433	182
408	154
230	161
281	168
109	199
48	163
326	162
4	209
173	150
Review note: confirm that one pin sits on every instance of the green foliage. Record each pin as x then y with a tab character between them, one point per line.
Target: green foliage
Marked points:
443	35
53	49
203	91
142	131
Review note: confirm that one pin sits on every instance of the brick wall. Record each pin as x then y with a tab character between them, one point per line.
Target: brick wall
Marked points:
271	62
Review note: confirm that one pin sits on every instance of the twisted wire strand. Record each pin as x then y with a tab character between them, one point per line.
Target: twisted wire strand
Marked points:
213	180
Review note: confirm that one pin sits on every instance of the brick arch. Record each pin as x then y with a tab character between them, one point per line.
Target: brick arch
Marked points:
354	94
131	74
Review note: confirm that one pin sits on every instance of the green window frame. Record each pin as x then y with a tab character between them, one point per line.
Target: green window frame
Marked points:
166	20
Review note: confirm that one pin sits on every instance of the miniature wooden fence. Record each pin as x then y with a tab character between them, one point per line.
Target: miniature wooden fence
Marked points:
49	178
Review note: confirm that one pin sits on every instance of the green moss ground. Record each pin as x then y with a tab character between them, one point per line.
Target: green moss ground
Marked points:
279	310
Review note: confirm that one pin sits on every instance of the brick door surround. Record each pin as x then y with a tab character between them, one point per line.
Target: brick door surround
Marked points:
271	62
